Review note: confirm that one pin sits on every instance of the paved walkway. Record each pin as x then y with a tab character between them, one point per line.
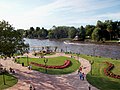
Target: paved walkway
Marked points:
48	82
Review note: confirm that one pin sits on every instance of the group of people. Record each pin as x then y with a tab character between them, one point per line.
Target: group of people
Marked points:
12	70
81	74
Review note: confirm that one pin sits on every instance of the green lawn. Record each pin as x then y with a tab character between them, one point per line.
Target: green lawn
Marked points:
112	41
98	79
38	54
53	61
9	80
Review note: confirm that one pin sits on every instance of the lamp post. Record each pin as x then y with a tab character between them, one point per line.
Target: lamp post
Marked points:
66	49
94	51
27	61
77	56
91	62
4	77
45	61
100	65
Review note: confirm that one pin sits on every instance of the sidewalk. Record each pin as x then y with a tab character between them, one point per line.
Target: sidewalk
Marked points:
48	82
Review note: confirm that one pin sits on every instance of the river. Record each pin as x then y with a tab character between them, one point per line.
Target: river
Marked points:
112	51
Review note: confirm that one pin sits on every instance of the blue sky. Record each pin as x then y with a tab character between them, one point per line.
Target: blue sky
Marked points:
46	13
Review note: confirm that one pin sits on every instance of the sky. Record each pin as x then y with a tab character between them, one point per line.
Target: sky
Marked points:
23	14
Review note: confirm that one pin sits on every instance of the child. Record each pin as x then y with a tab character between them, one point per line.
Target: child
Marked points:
80	75
83	75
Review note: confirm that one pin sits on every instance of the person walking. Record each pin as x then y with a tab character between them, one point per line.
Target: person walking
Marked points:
83	76
80	75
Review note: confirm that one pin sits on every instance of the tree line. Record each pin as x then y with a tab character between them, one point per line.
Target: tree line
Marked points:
11	40
107	30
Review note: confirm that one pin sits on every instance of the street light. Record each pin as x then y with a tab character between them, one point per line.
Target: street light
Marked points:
4	77
27	61
91	62
94	49
66	48
45	61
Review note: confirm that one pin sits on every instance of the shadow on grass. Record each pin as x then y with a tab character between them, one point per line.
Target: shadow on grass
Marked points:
10	80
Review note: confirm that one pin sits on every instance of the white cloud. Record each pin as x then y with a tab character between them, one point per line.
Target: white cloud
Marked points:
61	12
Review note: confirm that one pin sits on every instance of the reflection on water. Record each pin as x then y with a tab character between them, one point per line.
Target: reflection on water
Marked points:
89	49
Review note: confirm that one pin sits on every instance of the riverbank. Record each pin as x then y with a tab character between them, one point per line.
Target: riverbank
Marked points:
99	43
111	51
87	41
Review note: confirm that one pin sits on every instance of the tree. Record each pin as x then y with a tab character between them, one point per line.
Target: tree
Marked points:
37	28
11	40
72	32
32	29
96	35
89	29
50	34
81	33
109	29
100	24
44	33
59	32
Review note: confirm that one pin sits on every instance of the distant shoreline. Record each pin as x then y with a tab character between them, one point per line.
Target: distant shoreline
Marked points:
91	42
70	41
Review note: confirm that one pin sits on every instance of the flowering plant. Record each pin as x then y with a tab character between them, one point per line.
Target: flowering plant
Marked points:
66	64
107	71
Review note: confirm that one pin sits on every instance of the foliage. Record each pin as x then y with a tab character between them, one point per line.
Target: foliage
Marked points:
81	33
9	79
96	35
36	33
108	72
89	29
72	32
109	30
65	65
53	61
11	41
98	78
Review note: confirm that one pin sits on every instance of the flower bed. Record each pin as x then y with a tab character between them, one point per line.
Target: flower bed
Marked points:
108	72
66	64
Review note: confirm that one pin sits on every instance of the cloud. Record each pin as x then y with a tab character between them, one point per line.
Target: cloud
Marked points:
63	12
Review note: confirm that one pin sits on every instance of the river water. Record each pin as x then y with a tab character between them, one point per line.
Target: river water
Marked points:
112	51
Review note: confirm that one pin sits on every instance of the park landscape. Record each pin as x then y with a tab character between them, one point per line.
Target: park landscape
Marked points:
96	77
60	45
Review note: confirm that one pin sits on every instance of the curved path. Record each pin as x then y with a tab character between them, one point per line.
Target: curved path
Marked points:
48	82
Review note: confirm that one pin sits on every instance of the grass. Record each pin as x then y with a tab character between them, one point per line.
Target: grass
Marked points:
112	41
53	61
9	80
44	54
98	79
